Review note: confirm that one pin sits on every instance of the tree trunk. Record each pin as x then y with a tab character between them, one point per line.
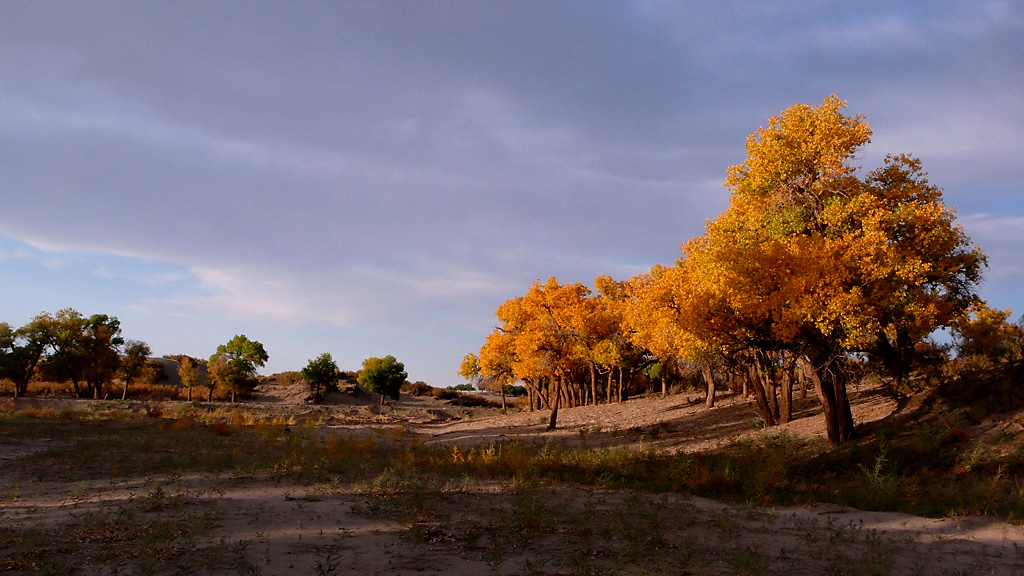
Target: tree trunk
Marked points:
843	411
768	381
621	378
504	409
801	379
759	394
543	397
593	384
189	398
20	388
709	399
554	407
611	380
124	394
827	397
786	410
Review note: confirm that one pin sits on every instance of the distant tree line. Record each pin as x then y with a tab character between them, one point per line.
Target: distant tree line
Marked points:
89	352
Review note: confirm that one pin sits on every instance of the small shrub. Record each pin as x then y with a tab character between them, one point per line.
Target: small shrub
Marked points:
288	378
445	394
418	388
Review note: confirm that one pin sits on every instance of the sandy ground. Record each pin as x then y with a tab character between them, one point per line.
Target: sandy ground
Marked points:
251	524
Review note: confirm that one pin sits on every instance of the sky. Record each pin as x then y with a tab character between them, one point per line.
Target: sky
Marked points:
368	178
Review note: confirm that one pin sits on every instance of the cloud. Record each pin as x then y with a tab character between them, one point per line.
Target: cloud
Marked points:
353	166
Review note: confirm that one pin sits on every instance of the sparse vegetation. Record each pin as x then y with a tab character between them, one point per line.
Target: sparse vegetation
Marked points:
816	278
172	477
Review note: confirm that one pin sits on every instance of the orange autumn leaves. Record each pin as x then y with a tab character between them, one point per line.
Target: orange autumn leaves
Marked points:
810	261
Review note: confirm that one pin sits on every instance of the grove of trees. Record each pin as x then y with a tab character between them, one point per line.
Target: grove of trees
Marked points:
814	273
65	346
89	353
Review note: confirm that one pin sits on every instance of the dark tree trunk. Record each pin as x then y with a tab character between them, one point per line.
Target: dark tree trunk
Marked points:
621	378
831	387
554	408
754	381
786	409
20	388
768	380
544	397
593	384
843	411
611	380
801	379
827	397
709	399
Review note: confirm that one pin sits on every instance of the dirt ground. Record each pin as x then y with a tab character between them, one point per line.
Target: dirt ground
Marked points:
257	524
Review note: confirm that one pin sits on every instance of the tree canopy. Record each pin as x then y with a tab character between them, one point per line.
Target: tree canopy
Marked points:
322	375
233	366
383	376
813	267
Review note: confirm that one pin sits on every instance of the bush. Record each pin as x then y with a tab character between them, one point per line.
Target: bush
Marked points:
384	376
460	399
286	378
445	394
418	388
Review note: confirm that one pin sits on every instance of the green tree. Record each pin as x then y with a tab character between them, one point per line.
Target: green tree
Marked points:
188	371
101	342
64	360
82	350
222	375
383	376
21	351
322	375
233	366
133	362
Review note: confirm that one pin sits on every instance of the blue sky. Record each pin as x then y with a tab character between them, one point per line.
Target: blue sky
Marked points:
371	178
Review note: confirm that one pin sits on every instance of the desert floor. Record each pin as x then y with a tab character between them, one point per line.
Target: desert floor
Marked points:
261	522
